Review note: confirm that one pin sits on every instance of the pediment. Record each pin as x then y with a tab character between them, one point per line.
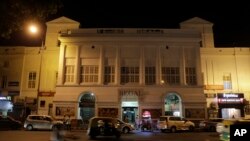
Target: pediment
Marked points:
63	20
196	20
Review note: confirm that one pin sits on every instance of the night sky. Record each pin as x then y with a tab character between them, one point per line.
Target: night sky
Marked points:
231	20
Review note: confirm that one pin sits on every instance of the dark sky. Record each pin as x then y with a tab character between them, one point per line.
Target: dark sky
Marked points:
231	19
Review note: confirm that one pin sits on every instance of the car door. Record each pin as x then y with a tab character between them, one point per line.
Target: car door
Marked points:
47	122
36	122
185	124
162	123
178	123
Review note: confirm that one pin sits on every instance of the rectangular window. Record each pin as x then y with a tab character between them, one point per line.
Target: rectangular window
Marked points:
191	76
32	80
42	103
227	81
89	74
69	73
171	75
129	75
150	75
109	74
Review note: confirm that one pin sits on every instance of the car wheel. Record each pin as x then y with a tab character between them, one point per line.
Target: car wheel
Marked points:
125	130
29	127
173	129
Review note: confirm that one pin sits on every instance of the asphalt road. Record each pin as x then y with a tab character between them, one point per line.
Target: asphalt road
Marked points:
134	136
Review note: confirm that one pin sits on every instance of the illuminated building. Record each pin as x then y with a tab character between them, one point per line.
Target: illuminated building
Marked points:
124	72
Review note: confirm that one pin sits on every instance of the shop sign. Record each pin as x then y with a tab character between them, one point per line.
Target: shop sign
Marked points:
46	94
127	92
230	98
3	98
13	83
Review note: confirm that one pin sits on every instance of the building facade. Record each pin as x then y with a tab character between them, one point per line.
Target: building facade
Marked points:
126	72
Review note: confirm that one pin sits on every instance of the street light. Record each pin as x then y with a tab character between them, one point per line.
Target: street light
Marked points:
34	30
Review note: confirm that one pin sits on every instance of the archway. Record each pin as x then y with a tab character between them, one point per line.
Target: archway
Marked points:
173	105
87	106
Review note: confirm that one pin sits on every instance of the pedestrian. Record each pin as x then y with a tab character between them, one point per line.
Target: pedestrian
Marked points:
57	134
137	122
68	123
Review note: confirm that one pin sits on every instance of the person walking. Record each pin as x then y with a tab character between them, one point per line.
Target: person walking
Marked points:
137	122
57	134
68	123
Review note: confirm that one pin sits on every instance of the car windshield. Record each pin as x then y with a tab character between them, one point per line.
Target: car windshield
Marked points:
162	118
120	121
48	118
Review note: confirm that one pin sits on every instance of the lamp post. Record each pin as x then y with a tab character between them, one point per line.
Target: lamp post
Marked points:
34	30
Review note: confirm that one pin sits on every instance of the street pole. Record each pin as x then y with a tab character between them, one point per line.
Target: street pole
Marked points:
33	29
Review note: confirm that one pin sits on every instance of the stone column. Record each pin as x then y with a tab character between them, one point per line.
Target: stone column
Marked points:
117	66
77	66
182	66
142	67
158	66
101	67
61	65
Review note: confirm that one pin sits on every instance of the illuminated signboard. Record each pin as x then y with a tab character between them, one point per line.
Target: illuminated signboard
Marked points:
230	98
3	98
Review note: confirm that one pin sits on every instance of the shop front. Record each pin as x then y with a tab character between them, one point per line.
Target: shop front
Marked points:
231	105
5	106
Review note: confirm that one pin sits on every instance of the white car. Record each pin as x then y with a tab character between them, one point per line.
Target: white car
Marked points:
43	122
174	123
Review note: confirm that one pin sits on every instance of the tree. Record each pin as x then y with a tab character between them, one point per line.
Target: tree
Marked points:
14	13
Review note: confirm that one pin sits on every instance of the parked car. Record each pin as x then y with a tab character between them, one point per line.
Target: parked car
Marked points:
43	122
104	126
174	123
9	123
126	127
210	124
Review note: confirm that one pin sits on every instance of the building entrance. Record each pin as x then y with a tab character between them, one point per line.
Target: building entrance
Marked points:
129	114
129	107
87	106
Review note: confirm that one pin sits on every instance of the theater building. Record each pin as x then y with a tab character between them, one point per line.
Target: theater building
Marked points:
125	72
128	72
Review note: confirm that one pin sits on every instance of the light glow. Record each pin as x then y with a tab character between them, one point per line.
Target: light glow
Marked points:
33	29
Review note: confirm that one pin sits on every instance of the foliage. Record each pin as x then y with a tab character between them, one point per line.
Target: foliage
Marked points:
14	13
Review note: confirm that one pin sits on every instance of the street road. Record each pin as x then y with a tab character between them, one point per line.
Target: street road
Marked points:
134	136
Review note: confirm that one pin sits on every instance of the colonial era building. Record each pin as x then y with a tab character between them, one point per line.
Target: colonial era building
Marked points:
123	72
